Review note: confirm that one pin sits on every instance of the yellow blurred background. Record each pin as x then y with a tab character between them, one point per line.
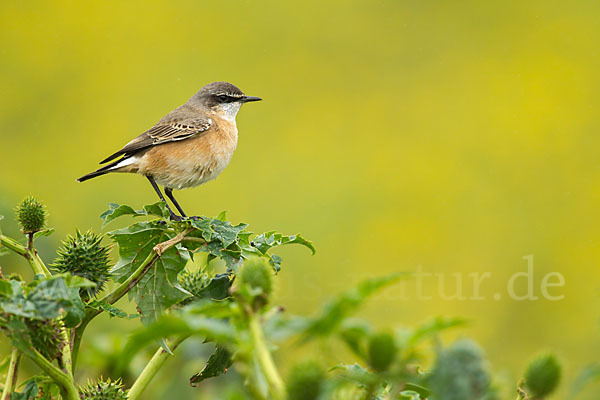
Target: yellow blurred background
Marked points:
451	136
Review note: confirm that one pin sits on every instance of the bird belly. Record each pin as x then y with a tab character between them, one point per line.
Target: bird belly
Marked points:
189	163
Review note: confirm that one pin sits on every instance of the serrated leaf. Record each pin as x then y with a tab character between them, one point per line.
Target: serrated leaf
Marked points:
115	211
264	242
222	216
43	232
43	300
345	304
358	374
158	289
218	363
158	209
110	309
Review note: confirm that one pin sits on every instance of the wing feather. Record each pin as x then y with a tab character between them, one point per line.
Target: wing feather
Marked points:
164	132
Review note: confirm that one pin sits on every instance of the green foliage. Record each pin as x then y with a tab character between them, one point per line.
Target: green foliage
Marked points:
31	214
460	373
218	363
103	390
542	375
228	304
83	255
45	336
305	380
382	351
255	282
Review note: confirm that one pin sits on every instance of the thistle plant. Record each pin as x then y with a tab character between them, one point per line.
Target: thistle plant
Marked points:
214	280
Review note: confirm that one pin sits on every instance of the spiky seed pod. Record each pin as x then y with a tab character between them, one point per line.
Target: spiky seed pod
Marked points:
542	375
45	337
382	351
103	390
305	381
255	280
193	282
460	373
83	255
31	215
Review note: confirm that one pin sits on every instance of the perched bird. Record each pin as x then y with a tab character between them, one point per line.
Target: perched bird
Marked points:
188	147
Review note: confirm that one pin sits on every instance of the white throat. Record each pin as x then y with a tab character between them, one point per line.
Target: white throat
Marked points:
229	110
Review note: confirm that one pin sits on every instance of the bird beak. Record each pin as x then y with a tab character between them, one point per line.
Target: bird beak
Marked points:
247	99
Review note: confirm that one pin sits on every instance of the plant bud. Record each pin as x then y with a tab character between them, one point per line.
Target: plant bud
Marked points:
31	215
542	375
305	381
382	351
255	280
45	337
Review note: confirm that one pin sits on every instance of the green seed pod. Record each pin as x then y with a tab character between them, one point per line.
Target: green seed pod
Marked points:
83	255
382	351
305	381
460	373
257	275
192	281
31	215
542	375
45	337
103	390
255	280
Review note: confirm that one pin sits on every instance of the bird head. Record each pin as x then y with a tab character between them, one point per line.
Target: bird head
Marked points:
222	98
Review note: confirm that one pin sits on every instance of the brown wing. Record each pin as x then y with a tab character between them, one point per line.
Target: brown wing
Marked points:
163	132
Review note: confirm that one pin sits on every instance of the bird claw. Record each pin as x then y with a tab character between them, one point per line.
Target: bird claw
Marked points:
176	218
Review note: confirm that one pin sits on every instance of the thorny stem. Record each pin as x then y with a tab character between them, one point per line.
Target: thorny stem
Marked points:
150	370
11	375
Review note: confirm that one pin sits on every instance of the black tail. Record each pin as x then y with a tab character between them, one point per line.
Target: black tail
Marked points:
101	171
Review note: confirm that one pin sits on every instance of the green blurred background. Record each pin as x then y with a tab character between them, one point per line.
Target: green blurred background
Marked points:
454	136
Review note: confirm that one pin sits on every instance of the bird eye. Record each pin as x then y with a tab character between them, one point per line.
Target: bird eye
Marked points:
223	98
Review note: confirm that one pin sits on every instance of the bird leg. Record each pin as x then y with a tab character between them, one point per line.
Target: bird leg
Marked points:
169	193
174	216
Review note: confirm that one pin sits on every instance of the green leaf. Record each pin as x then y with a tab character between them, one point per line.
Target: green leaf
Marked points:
43	232
217	288
420	390
433	327
43	300
110	309
30	392
158	289
346	304
218	363
264	242
409	395
158	209
358	374
115	211
177	325
356	334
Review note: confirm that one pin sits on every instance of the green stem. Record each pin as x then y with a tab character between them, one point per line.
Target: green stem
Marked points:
269	370
34	260
146	376
125	287
64	381
112	298
11	375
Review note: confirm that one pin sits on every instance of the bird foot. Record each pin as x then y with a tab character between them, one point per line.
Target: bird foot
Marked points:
176	218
